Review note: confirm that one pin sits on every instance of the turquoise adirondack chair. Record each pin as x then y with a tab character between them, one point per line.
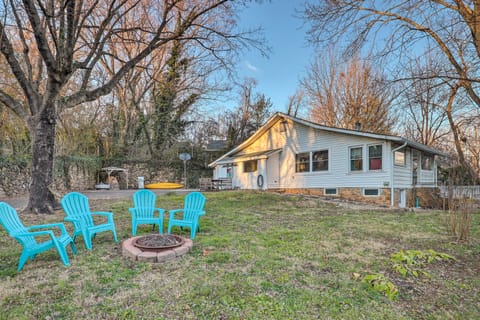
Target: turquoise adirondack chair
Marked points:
192	211
144	209
78	212
30	239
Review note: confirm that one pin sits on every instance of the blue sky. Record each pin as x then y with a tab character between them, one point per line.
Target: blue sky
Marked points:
277	75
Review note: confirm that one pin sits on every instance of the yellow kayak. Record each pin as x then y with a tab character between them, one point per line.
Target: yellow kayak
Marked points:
164	185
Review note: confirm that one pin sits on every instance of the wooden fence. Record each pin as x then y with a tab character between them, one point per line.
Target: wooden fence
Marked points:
460	192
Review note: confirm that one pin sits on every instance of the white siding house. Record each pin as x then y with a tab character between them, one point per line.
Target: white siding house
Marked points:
294	155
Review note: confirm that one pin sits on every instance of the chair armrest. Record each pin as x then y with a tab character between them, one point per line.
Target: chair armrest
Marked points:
61	226
109	215
160	211
173	212
34	233
71	219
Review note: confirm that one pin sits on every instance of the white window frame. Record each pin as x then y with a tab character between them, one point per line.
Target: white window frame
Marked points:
309	163
350	159
431	164
404	158
368	155
328	160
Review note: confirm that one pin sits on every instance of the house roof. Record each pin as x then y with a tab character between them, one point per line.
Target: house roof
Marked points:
280	117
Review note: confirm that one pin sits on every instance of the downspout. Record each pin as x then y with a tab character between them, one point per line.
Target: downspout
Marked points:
392	187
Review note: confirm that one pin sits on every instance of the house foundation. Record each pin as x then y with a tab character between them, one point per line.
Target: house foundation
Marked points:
424	197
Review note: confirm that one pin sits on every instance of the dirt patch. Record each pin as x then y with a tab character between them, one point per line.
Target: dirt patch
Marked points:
447	281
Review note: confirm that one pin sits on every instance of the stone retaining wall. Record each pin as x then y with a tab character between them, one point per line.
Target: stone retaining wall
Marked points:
15	178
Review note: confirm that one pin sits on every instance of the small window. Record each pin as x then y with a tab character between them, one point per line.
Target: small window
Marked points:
371	192
250	166
399	158
427	162
320	160
356	159
375	157
302	162
330	191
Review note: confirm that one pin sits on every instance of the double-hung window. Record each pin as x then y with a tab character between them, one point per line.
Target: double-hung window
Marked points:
375	157
311	161
427	162
250	166
302	162
320	160
399	158
356	159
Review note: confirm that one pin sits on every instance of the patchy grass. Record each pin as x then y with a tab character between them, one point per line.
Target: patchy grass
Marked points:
258	256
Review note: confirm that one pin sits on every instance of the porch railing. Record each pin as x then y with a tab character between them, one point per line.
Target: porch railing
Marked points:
459	192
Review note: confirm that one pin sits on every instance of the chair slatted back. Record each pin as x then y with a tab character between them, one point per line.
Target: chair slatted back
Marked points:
194	202
76	206
11	222
144	203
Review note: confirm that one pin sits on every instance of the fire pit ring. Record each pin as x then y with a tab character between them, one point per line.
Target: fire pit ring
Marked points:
131	250
158	242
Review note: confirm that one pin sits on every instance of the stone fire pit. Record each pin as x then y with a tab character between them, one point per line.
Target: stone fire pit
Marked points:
156	247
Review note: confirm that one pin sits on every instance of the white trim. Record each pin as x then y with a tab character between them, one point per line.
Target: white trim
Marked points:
392	169
350	159
367	154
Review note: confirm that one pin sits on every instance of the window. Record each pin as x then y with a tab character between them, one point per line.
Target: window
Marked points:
356	159
320	160
371	192
302	162
399	158
250	166
427	162
375	157
330	191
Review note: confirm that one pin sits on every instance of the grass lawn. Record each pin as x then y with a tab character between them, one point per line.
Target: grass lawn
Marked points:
258	256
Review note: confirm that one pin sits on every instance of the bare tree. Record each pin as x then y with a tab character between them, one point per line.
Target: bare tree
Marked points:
252	112
400	25
54	48
343	95
398	29
422	99
470	136
296	102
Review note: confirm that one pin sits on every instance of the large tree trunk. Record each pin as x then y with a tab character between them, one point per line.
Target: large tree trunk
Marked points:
42	200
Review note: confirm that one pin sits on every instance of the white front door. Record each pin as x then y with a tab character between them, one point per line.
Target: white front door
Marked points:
402	201
273	171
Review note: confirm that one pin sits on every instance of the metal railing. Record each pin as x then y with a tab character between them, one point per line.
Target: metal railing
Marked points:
460	192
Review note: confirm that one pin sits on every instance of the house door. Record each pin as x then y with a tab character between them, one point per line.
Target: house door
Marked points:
402	201
273	171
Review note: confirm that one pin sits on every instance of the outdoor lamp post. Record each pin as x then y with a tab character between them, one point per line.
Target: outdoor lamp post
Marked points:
185	157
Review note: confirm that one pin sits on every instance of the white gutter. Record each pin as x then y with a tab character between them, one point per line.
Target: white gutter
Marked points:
392	188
